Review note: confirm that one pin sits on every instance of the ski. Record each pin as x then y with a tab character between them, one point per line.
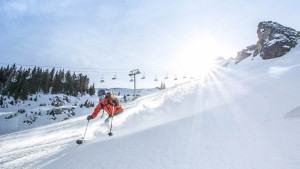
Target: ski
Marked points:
80	141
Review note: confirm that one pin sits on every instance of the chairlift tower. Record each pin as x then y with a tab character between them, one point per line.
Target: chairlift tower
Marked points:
134	73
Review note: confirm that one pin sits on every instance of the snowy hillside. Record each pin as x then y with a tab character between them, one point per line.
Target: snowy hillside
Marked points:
246	116
42	109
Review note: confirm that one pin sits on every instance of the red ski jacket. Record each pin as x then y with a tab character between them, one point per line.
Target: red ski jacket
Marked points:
109	106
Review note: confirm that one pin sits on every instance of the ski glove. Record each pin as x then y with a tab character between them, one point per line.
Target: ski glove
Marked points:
89	117
115	102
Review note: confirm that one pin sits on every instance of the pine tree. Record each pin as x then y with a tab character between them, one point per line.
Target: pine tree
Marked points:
68	83
23	82
91	90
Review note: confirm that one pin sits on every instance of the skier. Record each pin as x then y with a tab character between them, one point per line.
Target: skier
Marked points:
108	102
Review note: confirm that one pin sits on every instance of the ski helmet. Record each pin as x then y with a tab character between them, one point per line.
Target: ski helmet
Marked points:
101	92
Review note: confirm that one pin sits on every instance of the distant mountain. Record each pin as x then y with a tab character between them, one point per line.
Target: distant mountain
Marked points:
274	40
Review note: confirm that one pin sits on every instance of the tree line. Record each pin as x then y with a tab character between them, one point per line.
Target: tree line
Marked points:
20	83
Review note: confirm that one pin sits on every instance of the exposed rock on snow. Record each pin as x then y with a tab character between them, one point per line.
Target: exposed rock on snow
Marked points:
274	40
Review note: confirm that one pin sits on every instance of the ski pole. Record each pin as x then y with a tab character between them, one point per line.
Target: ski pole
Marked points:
80	141
102	113
110	133
112	117
86	129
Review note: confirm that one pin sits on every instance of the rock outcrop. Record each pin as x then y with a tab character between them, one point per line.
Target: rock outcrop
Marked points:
245	53
274	40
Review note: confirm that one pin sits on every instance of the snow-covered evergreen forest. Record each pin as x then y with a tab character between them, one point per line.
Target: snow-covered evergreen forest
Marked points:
20	82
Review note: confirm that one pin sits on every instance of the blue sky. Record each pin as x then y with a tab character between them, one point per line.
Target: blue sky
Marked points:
159	37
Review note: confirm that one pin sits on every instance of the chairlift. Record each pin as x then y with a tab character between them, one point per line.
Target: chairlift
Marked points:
131	79
102	79
143	77
167	76
155	79
175	77
115	77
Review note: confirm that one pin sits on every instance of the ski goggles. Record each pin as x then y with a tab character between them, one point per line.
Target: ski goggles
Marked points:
102	97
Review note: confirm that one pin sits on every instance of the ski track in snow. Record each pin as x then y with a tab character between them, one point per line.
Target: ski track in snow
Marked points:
25	148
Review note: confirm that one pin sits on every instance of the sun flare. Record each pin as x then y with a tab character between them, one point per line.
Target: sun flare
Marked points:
197	55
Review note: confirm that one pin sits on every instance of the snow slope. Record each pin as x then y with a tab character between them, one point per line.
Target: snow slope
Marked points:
36	113
33	113
246	116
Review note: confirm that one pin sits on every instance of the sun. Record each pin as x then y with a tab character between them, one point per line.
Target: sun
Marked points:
197	66
197	54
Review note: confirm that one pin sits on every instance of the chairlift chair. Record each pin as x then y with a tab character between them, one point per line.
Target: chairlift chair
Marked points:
166	76
102	79
115	77
143	77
